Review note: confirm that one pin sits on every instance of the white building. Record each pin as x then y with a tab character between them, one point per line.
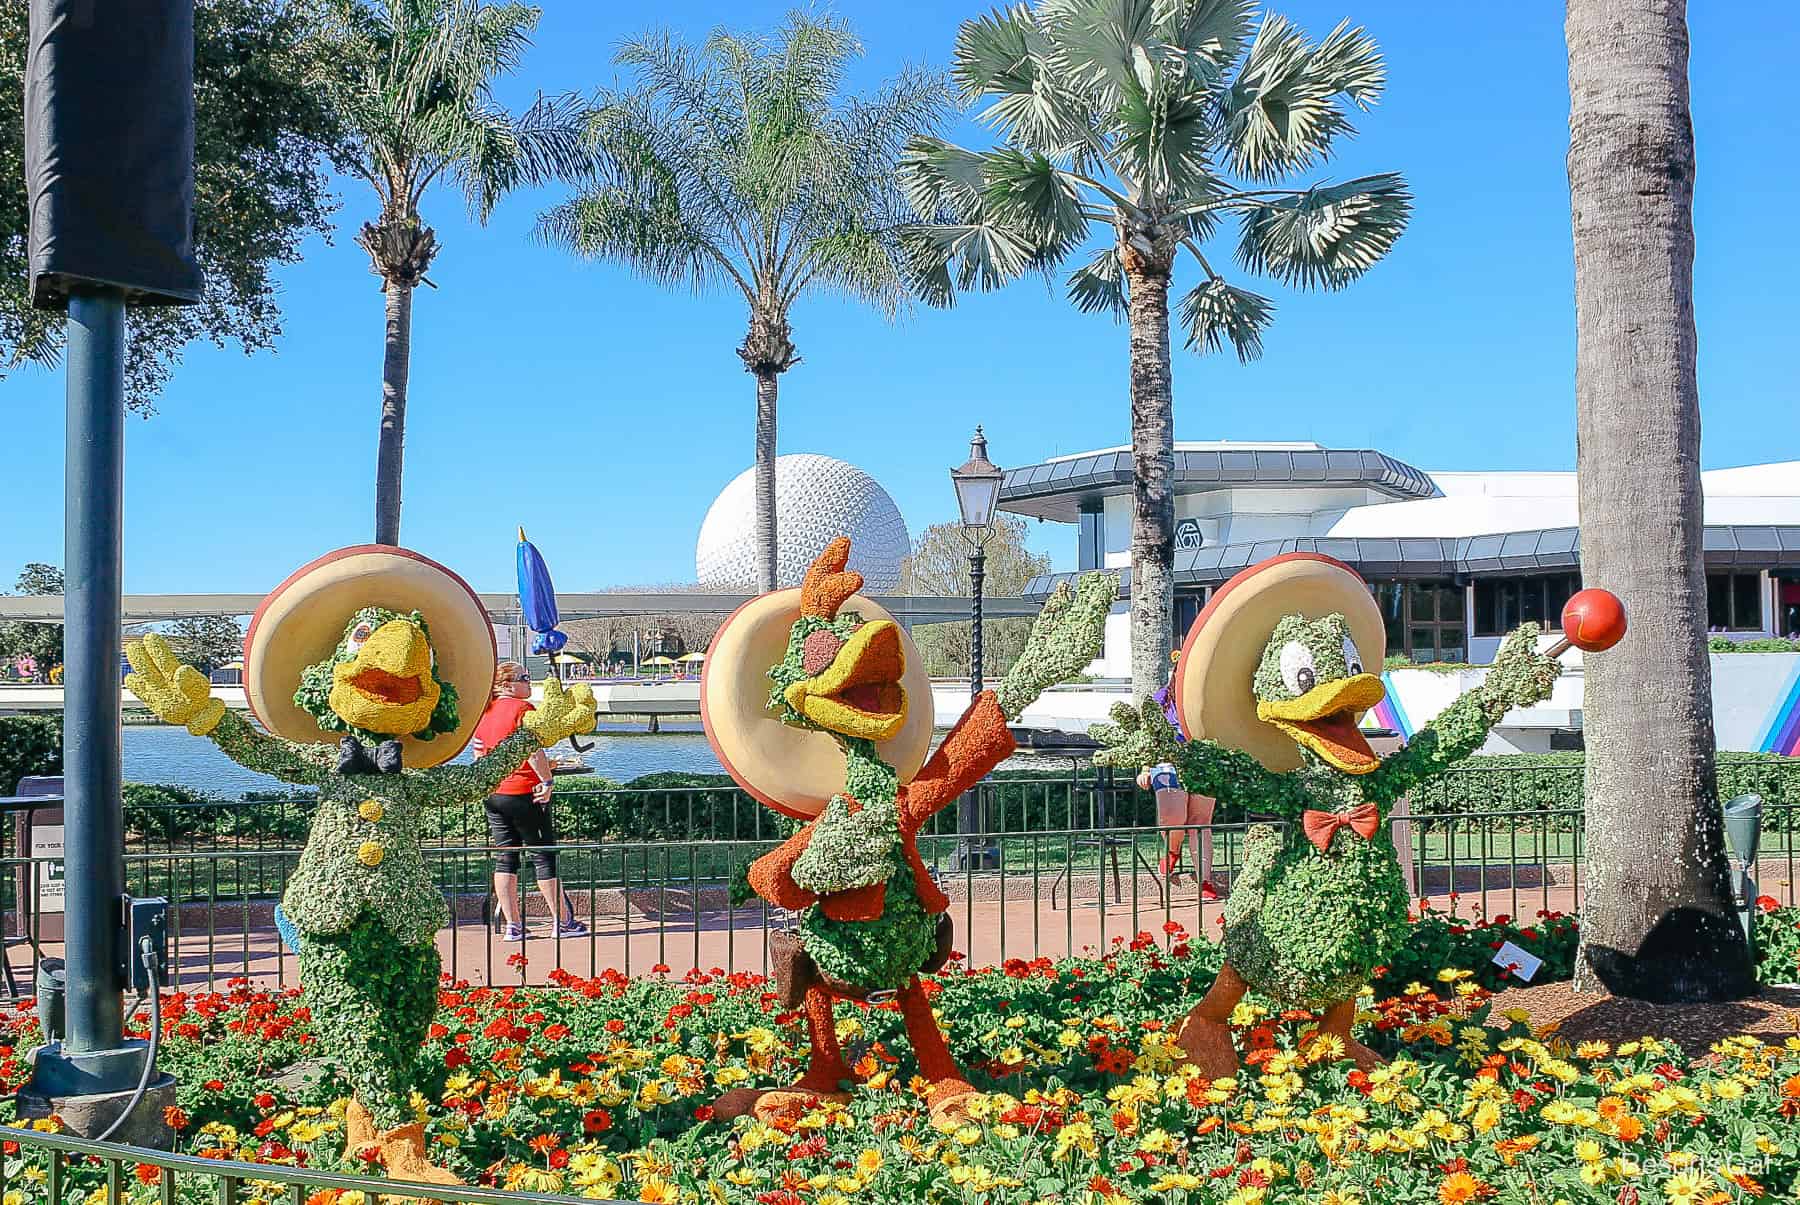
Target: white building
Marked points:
1456	559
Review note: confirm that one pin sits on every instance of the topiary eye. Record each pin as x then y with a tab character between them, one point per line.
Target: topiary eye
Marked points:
1352	662
1298	673
819	650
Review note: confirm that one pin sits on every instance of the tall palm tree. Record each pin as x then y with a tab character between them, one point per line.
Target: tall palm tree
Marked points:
413	80
737	165
1657	916
1126	116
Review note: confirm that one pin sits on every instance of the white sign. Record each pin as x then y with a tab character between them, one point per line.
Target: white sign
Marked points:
47	842
1519	962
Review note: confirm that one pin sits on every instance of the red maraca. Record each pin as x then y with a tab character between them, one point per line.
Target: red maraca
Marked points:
1592	621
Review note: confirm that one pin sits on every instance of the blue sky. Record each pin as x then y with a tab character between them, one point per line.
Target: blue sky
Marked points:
605	414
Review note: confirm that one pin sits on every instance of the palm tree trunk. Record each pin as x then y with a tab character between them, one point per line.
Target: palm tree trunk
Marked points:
396	365
767	351
766	385
1657	920
1153	471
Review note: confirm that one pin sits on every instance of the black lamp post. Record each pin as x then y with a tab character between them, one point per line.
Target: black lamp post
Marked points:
977	484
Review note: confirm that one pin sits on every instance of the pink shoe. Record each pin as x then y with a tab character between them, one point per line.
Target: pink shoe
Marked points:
1208	893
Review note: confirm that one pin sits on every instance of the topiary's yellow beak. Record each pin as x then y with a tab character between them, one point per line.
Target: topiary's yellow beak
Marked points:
387	687
1324	720
859	693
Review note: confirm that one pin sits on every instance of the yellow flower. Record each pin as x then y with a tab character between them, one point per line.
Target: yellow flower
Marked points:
370	810
370	853
742	1176
1728	1089
1593	1050
657	1191
1185	1181
1686	1188
1587	1150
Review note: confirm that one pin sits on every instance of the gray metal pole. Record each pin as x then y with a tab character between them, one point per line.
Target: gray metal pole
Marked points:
92	521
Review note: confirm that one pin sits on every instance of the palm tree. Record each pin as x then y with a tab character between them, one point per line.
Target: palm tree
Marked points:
1125	116
737	164
413	80
1657	919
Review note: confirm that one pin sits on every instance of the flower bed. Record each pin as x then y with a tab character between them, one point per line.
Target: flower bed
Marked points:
601	1088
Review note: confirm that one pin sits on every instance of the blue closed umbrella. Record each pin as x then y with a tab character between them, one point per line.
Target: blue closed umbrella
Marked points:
537	598
537	601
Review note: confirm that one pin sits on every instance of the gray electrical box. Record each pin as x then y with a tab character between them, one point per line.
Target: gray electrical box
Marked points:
148	918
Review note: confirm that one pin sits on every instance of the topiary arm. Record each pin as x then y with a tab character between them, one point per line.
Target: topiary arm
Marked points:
1142	736
253	749
1067	636
446	785
1519	677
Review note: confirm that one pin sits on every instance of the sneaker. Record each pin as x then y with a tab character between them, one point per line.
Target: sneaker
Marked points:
515	932
571	928
1208	892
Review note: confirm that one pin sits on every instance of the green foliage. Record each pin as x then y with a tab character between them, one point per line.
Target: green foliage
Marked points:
738	164
42	642
1724	644
1067	635
1124	121
939	565
1307	928
260	189
30	745
372	997
877	954
206	642
1435	942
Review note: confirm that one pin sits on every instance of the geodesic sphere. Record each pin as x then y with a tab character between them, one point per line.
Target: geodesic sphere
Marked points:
817	498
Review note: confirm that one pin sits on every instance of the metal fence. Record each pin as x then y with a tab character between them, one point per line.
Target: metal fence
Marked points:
1077	869
135	1176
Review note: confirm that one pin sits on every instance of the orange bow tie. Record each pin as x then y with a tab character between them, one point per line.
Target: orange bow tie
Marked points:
1363	820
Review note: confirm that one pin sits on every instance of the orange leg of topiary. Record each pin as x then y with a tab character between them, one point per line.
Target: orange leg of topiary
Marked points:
825	1071
950	1089
1336	1023
1204	1036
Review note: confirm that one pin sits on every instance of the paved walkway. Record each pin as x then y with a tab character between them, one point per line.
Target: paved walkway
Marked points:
636	941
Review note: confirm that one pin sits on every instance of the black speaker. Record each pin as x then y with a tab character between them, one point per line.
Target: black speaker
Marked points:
109	149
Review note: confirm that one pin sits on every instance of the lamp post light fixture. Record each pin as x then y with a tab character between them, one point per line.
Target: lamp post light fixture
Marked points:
977	484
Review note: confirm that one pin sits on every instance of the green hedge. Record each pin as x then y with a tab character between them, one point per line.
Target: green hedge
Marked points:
1519	782
1725	644
29	745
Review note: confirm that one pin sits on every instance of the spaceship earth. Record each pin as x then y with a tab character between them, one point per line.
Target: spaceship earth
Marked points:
817	498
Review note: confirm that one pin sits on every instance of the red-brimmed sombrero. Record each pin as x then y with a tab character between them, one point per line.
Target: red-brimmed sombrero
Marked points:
793	770
302	620
1213	691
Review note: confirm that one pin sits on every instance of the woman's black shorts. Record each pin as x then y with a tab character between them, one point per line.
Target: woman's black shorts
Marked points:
519	820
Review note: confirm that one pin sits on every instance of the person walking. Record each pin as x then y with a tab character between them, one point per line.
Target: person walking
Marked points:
518	812
1178	809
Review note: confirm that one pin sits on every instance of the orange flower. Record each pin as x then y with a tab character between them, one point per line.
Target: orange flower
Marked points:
1510	1149
1628	1129
1791	1088
1612	1108
1459	1188
175	1118
148	1173
543	1144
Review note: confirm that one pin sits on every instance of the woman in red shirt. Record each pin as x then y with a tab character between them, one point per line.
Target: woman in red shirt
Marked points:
518	812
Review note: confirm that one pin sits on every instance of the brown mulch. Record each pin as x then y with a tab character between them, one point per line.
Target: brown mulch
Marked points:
1773	1014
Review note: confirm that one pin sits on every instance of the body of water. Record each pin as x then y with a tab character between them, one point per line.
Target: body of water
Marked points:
162	754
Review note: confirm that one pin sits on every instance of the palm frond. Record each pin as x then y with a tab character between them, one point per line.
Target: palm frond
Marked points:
1214	313
1285	108
1005	57
1027	193
1098	286
1327	236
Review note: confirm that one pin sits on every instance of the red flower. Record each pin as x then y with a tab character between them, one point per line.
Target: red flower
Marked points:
559	1158
263	1100
1767	903
596	1121
214	1085
456	1057
704	1113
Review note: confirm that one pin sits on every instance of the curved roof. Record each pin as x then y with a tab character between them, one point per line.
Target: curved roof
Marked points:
1544	550
1056	488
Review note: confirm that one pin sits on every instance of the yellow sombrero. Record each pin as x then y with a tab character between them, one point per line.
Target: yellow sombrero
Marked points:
302	620
1213	693
793	770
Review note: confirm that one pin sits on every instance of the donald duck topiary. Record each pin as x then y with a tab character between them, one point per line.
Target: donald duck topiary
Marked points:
1273	678
815	700
357	666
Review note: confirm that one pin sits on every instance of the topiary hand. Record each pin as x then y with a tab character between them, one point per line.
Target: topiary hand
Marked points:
1068	634
1520	675
1137	737
562	713
177	693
